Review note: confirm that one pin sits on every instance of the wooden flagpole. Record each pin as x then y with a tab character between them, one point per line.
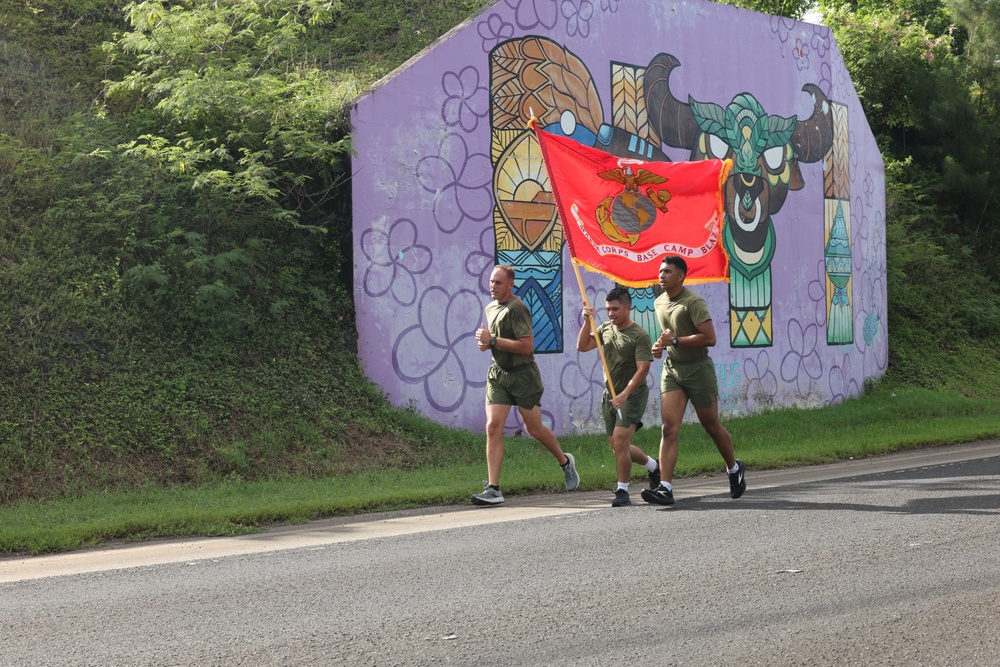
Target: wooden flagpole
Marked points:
593	328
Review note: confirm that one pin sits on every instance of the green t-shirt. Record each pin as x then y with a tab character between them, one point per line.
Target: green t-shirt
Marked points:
510	319
682	314
623	349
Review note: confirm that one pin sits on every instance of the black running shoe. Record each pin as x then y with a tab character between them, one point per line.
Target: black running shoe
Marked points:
621	499
658	496
737	480
654	477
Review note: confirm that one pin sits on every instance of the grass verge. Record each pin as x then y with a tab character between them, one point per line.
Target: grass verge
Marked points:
884	420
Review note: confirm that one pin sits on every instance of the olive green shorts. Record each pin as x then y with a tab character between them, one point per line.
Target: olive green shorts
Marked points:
697	379
632	411
521	387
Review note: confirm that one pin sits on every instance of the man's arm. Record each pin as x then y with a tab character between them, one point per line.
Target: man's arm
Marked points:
524	345
704	338
638	380
585	341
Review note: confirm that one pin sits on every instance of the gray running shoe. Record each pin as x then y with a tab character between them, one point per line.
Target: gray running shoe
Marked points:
570	473
489	496
621	499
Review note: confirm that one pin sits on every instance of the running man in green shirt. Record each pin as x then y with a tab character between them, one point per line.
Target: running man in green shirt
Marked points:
688	374
628	351
513	379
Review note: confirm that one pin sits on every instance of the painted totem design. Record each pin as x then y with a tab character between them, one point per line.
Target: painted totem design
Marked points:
837	229
766	151
537	75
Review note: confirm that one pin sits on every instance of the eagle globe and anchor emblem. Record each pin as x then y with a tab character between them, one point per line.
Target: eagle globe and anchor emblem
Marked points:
625	216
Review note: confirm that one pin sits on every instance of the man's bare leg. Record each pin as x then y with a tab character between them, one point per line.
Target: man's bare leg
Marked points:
496	417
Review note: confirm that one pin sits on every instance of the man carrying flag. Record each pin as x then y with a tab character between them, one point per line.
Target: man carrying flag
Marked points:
628	351
639	223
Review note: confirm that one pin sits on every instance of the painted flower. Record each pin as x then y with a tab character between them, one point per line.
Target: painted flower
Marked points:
801	54
578	384
479	262
820	41
842	383
493	31
817	292
852	154
461	184
869	325
431	352
762	385
393	259
878	242
466	101
876	355
530	14
781	27
577	14
825	82
862	248
843	82
802	364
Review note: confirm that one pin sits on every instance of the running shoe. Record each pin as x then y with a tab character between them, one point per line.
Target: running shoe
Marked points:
658	496
621	499
569	472
737	480
489	496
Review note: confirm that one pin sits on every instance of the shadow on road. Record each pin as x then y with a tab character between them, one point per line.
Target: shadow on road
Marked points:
968	487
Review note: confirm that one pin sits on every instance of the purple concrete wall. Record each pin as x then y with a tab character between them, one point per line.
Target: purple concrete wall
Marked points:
803	324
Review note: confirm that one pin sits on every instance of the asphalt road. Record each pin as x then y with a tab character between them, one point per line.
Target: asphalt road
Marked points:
889	561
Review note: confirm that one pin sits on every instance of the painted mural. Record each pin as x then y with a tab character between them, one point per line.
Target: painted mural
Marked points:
449	182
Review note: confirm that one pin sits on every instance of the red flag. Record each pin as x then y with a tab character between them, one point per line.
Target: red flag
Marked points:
621	215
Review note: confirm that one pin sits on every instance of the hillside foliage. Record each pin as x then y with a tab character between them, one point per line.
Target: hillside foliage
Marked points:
918	69
175	241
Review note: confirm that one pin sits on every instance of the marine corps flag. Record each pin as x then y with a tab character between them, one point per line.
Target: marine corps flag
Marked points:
621	215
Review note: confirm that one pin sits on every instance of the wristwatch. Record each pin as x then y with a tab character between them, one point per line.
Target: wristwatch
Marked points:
493	341
673	341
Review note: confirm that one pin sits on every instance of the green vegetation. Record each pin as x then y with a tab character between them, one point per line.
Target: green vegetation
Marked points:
933	107
176	324
175	293
883	421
